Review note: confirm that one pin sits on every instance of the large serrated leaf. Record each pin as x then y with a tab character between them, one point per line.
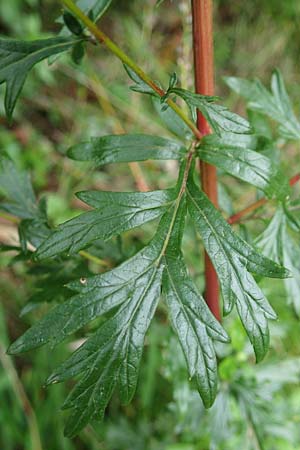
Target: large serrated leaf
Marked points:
232	154
126	148
115	212
18	57
96	296
275	104
233	258
218	116
111	356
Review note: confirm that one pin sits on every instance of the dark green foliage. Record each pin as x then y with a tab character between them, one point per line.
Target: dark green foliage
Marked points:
72	23
117	307
112	355
78	52
233	258
115	212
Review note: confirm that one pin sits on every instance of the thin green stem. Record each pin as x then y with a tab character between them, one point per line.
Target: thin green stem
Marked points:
94	259
182	190
9	217
118	52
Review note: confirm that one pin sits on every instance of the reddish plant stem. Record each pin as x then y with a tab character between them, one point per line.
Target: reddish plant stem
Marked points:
235	218
202	12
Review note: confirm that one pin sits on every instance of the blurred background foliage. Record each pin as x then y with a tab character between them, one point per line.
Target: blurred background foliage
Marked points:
257	406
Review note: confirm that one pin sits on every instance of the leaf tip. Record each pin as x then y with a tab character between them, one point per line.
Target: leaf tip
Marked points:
53	379
14	348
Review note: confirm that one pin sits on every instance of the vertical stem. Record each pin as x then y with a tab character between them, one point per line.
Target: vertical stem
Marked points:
202	12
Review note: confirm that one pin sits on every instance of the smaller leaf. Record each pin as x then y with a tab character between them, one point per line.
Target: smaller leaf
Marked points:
139	86
94	9
78	53
173	80
218	116
72	23
126	148
232	154
115	212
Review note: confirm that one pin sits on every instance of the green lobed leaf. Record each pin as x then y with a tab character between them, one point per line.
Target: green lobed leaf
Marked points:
18	57
195	326
232	154
275	104
115	212
95	296
233	259
139	86
126	148
111	357
191	319
218	116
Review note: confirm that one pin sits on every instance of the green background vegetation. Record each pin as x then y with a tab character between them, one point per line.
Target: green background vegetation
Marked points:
258	406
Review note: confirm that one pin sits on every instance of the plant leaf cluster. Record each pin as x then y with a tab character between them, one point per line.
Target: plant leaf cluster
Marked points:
123	300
